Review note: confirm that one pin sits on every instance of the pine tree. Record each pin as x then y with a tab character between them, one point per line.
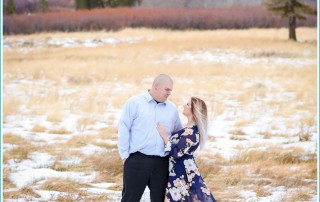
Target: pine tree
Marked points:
10	9
81	4
291	9
43	5
90	4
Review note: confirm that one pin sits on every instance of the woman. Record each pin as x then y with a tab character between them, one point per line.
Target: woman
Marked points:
185	182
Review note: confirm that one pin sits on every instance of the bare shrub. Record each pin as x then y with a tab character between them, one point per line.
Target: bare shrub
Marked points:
170	18
83	123
306	131
262	191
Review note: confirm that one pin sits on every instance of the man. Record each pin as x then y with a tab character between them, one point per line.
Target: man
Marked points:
140	146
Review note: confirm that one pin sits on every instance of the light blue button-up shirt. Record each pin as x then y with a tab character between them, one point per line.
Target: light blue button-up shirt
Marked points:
137	126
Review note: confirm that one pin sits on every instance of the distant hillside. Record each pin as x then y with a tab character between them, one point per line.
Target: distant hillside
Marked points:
206	3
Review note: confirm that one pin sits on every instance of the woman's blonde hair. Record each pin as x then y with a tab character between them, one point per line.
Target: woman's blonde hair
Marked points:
199	111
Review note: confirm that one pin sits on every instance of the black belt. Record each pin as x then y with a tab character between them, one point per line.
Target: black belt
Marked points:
145	155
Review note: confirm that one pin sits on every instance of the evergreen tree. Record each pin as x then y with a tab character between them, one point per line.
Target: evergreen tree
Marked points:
10	9
291	9
90	4
43	5
81	4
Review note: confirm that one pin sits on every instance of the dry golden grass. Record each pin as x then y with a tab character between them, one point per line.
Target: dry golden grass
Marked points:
88	82
60	130
276	154
63	152
11	138
261	191
11	105
207	167
82	196
38	129
101	162
55	116
79	141
21	152
237	132
58	166
218	108
108	133
239	138
62	185
25	192
69	197
298	195
82	124
106	145
7	184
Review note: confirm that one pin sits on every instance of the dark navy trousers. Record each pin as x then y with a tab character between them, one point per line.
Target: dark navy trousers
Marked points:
142	170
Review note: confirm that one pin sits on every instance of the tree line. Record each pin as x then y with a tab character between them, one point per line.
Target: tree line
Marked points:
292	10
91	4
27	6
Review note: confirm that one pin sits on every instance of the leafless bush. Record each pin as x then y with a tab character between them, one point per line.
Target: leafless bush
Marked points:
170	18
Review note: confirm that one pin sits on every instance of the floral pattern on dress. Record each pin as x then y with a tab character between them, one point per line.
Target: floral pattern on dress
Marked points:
185	182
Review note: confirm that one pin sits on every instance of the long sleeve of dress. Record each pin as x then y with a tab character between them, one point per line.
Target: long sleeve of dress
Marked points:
179	147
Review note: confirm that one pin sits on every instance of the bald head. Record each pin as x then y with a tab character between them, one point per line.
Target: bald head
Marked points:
161	79
161	87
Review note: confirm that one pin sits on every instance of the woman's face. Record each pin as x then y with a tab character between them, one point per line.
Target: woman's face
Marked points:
187	109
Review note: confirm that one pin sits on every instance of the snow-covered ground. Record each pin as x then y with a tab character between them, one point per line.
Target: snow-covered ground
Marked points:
68	42
35	170
222	56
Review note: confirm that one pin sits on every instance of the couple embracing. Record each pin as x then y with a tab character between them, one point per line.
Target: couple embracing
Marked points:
157	151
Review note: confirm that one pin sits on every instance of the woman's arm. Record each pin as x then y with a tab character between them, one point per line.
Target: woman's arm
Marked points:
188	139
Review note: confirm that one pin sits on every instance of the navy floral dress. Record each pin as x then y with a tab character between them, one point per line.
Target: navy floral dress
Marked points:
185	182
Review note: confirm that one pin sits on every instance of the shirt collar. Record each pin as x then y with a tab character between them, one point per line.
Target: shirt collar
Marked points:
150	98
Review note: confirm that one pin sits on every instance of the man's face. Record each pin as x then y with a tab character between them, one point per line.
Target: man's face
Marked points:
163	91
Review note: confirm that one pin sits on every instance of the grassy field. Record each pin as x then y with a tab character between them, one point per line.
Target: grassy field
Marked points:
63	93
